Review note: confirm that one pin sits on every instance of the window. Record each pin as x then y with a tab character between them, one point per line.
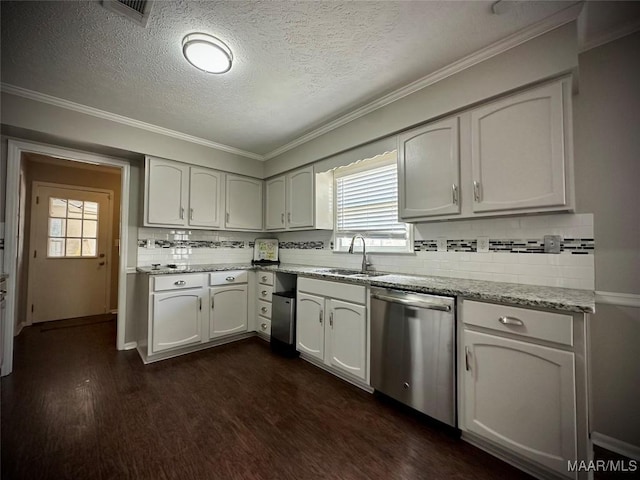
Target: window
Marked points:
73	228
366	199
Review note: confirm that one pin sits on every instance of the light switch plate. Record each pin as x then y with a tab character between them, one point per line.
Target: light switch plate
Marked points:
441	242
482	244
552	243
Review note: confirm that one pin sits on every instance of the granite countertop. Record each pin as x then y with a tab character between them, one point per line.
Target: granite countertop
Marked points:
556	298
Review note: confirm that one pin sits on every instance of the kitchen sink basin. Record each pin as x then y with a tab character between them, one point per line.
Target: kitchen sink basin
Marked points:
350	273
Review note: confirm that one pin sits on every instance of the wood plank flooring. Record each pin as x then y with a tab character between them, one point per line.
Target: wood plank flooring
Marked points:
75	408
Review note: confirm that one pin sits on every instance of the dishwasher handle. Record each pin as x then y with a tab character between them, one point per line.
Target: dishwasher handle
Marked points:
413	303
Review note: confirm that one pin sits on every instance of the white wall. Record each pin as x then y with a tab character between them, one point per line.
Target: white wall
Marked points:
607	164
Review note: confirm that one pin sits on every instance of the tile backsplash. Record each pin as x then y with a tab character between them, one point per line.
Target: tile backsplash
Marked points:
514	250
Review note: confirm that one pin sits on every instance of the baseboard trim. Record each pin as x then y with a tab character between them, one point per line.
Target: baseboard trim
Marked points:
616	446
130	345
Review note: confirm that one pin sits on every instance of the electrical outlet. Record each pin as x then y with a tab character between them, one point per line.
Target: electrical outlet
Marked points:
441	242
552	243
482	244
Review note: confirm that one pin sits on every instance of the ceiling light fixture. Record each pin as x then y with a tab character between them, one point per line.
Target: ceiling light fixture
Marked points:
207	53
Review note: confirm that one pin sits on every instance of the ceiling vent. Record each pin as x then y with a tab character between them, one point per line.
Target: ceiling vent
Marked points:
136	10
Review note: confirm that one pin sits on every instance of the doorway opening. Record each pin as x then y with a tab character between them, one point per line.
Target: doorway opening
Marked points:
67	217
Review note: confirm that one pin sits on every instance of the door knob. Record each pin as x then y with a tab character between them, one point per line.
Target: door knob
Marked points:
101	263
101	255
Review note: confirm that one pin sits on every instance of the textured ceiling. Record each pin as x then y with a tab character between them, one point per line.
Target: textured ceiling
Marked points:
297	64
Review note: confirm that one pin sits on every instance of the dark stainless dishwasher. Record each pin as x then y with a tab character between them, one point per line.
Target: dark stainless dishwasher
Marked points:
413	351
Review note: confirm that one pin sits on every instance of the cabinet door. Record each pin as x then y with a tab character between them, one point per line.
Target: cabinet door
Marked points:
205	197
166	192
521	396
300	197
176	319
429	170
243	203
228	310
310	325
275	208
517	151
346	349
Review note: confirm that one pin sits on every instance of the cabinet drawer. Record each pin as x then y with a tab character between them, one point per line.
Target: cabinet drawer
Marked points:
228	277
264	308
554	327
264	326
265	278
265	292
177	282
337	290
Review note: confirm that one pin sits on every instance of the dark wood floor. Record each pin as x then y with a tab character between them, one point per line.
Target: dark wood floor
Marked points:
75	408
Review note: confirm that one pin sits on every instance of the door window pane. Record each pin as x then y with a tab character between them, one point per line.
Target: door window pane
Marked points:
91	210
57	227
72	228
88	247
75	209
73	247
89	229
57	207
55	247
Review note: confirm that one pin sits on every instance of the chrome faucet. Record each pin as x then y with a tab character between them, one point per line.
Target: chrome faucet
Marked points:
365	263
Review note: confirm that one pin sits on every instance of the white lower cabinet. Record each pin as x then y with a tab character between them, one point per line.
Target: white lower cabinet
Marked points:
521	396
228	310
177	319
333	330
523	388
310	325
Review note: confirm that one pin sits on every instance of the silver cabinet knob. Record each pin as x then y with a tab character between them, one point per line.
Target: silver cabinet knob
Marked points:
263	293
263	309
264	326
264	278
230	279
180	283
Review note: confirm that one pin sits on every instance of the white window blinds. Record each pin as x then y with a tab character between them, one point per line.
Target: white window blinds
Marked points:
367	201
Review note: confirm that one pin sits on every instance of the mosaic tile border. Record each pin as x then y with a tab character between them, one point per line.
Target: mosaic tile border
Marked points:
319	245
195	244
1	243
574	246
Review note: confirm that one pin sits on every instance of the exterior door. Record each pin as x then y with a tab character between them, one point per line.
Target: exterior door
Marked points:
310	325
275	197
69	262
228	310
346	348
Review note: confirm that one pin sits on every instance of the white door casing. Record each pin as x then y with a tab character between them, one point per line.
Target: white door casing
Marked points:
68	283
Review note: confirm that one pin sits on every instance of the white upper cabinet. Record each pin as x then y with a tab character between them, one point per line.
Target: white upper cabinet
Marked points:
166	196
205	197
429	170
275	199
510	156
299	200
243	203
518	151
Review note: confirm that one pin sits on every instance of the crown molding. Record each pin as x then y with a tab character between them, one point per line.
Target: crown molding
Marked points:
609	36
95	112
552	22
